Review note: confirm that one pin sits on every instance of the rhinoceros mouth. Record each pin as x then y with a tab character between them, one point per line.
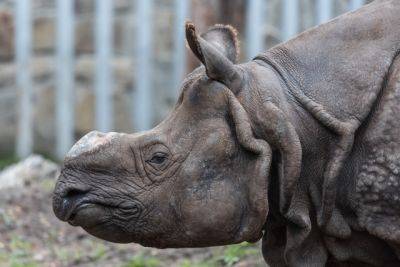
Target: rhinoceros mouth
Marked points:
74	212
89	213
67	210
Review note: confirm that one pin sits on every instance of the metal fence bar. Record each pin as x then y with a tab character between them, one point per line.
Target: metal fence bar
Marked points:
64	77
179	56
142	110
290	19
254	28
354	4
324	11
104	72
23	41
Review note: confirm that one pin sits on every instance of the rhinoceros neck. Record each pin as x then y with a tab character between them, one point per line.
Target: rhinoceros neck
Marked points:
340	64
278	60
297	102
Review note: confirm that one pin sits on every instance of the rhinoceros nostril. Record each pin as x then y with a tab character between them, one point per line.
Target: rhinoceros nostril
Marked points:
74	193
66	201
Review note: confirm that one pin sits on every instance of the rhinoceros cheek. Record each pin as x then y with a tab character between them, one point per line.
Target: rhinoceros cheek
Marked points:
213	219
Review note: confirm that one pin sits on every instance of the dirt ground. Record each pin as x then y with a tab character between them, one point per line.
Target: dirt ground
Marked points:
31	236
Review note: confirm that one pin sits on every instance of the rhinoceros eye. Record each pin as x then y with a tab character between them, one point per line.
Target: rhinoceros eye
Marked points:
158	158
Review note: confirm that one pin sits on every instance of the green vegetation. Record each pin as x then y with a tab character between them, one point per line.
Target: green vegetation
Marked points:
233	254
225	256
20	255
92	252
141	260
209	263
98	252
6	160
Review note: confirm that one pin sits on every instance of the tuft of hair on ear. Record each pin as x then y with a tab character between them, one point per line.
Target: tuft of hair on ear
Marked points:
230	32
223	37
191	39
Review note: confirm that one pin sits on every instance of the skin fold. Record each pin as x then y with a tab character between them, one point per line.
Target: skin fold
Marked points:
299	147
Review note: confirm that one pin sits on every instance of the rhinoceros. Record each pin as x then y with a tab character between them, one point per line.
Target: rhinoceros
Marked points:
300	147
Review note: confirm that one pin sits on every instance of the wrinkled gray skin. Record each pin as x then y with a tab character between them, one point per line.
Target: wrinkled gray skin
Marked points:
300	146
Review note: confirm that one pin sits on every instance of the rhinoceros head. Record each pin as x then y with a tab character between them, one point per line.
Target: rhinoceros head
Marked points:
199	178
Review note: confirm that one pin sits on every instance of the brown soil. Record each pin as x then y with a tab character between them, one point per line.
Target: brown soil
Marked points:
30	235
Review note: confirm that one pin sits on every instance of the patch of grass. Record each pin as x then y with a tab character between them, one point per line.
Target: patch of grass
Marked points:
20	247
70	256
48	156
234	253
20	255
99	252
141	260
62	254
209	263
5	219
6	160
3	255
225	256
23	264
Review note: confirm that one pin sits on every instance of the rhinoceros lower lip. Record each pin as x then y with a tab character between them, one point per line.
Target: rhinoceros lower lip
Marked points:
84	205
96	208
75	211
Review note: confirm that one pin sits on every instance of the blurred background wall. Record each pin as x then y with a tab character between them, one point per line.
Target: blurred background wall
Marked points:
68	67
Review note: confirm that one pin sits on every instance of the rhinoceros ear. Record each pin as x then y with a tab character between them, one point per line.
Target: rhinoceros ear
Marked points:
224	38
218	50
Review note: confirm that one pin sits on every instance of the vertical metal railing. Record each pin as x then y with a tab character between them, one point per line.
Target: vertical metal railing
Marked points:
142	108
179	53
254	28
290	25
104	72
23	41
64	77
354	4
324	11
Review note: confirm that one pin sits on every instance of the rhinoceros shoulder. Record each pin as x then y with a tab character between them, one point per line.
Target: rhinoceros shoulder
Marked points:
378	179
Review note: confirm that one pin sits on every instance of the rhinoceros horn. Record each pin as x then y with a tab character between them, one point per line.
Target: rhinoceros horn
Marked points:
218	50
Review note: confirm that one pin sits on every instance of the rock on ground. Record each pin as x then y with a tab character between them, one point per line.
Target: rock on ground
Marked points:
35	167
